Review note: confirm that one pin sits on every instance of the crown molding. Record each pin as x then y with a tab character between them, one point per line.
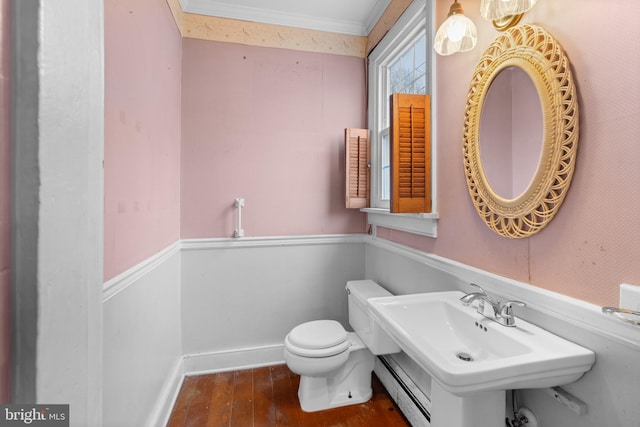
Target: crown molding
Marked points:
375	15
295	20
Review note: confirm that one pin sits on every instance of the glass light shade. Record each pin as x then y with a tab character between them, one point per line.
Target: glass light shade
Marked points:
457	34
492	10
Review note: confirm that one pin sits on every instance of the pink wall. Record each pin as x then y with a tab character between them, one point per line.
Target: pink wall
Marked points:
5	202
509	164
527	122
495	136
267	125
142	132
593	243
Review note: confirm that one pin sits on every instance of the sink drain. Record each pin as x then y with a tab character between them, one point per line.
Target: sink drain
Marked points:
466	357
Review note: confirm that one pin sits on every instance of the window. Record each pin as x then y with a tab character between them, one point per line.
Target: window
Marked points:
406	74
401	63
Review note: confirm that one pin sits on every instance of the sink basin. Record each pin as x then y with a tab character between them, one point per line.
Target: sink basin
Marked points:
467	353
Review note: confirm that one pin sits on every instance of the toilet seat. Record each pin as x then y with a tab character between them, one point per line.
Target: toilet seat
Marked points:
319	338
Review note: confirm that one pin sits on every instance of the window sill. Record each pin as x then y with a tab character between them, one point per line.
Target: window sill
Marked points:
425	224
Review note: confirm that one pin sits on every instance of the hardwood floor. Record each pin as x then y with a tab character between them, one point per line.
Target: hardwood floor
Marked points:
268	396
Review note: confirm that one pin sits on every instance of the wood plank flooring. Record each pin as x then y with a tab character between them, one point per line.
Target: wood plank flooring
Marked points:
266	397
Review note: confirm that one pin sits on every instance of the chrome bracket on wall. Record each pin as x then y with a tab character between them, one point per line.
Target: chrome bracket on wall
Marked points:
239	204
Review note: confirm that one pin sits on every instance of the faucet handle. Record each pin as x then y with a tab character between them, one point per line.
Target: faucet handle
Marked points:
506	312
477	287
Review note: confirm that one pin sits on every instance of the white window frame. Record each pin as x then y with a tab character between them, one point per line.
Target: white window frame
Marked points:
417	18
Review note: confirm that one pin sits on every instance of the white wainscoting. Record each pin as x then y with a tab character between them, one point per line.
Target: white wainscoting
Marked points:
240	297
142	344
222	304
210	305
610	389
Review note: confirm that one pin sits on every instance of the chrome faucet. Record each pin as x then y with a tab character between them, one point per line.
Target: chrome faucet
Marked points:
471	297
497	311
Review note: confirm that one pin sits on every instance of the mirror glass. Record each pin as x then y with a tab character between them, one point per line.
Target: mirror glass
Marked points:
511	133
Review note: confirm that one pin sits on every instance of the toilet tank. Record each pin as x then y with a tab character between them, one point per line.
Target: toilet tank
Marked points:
377	340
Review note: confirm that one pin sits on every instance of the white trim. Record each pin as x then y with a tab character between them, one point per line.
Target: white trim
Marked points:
414	20
425	224
276	17
167	396
431	57
68	117
375	15
117	284
207	363
233	359
270	241
561	307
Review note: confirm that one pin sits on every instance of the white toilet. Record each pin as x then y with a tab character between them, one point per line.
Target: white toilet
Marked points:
335	365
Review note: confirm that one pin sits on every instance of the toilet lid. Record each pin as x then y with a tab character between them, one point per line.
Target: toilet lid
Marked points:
318	334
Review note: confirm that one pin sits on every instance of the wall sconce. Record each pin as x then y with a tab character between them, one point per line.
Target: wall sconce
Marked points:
457	34
505	13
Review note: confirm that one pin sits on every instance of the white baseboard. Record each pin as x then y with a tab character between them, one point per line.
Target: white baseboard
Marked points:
232	360
167	396
204	363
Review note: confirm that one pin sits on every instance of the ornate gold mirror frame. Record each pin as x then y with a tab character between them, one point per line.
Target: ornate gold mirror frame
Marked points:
536	52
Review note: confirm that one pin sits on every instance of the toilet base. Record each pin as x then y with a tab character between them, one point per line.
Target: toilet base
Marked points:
349	385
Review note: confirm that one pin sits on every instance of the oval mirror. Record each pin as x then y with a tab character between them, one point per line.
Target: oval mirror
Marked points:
521	209
511	133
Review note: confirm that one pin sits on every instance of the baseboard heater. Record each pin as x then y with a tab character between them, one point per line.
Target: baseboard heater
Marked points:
413	403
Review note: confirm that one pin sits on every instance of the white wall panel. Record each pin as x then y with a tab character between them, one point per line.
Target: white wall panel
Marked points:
142	354
250	293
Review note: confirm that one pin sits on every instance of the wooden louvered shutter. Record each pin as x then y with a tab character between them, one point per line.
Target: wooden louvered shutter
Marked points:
410	146
358	158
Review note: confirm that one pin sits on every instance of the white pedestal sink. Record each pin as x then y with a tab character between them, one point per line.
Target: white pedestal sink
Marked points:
473	360
481	409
